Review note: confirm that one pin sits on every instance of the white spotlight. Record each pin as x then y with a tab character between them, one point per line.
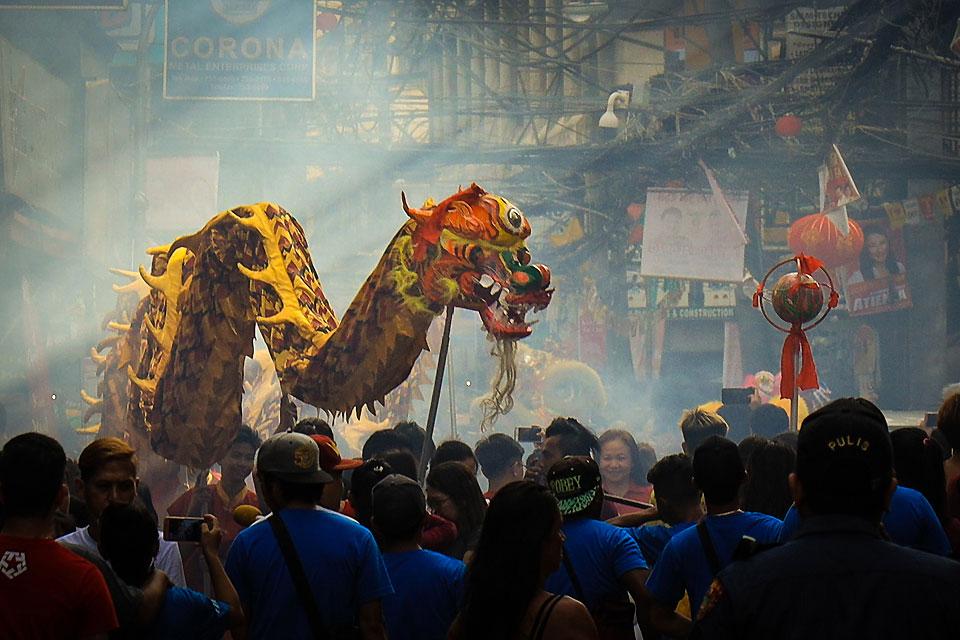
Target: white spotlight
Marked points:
609	119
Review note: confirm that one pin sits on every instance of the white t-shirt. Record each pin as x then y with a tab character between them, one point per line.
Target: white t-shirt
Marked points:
168	558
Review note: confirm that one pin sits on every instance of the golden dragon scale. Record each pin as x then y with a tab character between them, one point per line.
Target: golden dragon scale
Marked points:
250	267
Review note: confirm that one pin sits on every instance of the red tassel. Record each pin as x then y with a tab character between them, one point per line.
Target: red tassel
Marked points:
809	264
807	377
834	299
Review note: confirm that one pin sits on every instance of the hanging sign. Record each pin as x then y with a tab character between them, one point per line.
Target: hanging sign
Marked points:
239	50
114	5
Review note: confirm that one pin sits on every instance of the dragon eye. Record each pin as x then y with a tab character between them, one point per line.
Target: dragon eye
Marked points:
513	220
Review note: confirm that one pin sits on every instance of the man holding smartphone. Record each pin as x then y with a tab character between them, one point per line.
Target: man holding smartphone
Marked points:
108	475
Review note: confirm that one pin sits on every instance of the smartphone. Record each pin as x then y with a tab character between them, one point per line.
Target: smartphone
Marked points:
930	420
532	434
736	395
177	529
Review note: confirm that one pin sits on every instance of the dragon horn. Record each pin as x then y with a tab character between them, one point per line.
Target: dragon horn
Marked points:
133	275
148	386
118	327
107	342
91	430
420	215
96	357
90	400
158	251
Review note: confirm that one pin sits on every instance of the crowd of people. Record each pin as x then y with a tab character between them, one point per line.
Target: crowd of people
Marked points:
843	529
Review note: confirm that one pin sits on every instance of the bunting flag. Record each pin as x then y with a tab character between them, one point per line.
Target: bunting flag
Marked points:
927	207
926	202
896	213
942	205
911	207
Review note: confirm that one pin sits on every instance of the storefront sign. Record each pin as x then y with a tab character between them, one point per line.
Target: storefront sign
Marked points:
239	50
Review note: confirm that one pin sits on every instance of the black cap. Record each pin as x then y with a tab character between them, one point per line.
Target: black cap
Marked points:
398	503
575	482
718	469
844	449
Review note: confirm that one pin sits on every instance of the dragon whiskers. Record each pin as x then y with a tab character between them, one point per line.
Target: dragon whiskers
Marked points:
500	400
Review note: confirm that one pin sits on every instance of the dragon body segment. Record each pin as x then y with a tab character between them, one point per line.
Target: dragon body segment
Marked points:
250	267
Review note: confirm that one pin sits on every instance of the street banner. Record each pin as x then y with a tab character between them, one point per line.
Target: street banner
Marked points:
688	236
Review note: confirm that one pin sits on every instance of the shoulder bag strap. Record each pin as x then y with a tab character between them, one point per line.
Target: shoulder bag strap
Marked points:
543	614
300	582
712	559
573	576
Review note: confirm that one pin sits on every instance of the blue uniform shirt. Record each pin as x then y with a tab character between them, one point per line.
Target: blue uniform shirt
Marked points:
910	522
652	538
429	592
600	554
339	556
683	564
190	614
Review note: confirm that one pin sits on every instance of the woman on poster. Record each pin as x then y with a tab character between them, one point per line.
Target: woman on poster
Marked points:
876	259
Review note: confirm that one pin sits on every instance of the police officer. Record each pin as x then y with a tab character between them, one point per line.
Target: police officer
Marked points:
838	577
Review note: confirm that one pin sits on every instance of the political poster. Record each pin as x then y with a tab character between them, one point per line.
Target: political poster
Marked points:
879	284
239	50
687	235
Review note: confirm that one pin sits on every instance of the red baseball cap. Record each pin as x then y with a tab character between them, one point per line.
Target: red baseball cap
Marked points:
330	459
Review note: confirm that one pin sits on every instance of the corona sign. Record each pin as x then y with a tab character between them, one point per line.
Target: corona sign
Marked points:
239	50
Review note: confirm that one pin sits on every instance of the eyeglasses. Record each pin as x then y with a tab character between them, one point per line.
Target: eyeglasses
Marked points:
436	503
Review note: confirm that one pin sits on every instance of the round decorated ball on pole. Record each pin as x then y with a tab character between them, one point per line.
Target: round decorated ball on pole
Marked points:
798	299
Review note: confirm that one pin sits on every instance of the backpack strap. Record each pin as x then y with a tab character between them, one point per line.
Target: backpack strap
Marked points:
543	615
300	582
577	588
712	559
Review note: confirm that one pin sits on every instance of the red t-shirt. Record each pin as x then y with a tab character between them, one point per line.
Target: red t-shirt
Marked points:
638	492
49	592
222	506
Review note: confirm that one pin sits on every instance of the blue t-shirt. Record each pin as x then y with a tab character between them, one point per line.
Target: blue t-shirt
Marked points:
428	590
189	614
600	554
339	556
683	564
910	522
652	538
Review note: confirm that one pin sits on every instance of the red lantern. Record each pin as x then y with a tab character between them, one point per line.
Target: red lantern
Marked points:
817	235
635	210
636	234
788	126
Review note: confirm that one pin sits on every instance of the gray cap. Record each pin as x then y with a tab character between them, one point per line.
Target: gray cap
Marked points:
291	457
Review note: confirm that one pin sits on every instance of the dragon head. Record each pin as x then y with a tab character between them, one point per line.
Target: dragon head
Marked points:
480	260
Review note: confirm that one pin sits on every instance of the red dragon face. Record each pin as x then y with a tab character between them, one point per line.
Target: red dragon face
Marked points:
481	241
